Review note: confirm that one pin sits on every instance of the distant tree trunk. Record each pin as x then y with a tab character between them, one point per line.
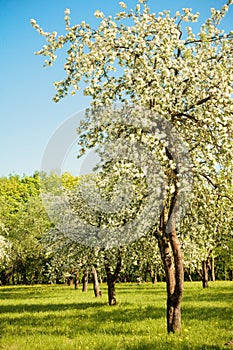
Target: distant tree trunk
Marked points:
188	274
173	265
140	279
112	277
70	281
76	279
13	277
95	282
85	281
24	275
57	276
204	273
231	275
71	277
153	276
154	280
146	272
212	269
5	279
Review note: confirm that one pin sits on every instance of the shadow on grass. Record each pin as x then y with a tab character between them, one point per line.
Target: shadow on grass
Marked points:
39	308
33	292
205	313
79	317
210	297
76	318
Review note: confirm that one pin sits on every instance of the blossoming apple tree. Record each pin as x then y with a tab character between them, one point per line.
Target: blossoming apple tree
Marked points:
152	60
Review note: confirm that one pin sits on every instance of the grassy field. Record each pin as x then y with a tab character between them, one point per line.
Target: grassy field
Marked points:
58	317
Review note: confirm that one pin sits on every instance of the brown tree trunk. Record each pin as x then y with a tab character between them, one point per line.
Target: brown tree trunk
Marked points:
173	265
146	271
205	274
85	281
190	276
212	269
76	280
153	276
140	279
231	275
96	287
112	278
111	292
71	277
70	281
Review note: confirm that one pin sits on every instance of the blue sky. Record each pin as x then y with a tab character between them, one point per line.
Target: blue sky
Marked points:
28	116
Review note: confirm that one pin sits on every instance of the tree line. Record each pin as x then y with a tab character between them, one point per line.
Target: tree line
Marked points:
32	250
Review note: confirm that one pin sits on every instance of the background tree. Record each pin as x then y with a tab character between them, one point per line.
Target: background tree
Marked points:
207	230
25	221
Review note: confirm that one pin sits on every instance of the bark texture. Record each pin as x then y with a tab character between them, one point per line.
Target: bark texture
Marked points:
173	265
174	279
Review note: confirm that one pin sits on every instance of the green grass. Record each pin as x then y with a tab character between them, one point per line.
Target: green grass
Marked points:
58	317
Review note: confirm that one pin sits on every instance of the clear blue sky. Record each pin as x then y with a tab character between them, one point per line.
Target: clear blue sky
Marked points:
28	116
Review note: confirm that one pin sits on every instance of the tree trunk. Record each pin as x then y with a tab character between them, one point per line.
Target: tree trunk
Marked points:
173	265
146	272
154	280
153	276
190	276
95	282
187	273
76	280
112	277
140	279
71	276
212	269
111	292
231	275
204	274
85	281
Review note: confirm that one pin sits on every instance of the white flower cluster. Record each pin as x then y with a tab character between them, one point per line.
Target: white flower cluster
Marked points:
187	78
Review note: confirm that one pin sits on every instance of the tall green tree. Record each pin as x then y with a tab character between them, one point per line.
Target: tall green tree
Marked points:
25	221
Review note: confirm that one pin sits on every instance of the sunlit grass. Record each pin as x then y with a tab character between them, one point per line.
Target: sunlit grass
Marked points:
58	317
